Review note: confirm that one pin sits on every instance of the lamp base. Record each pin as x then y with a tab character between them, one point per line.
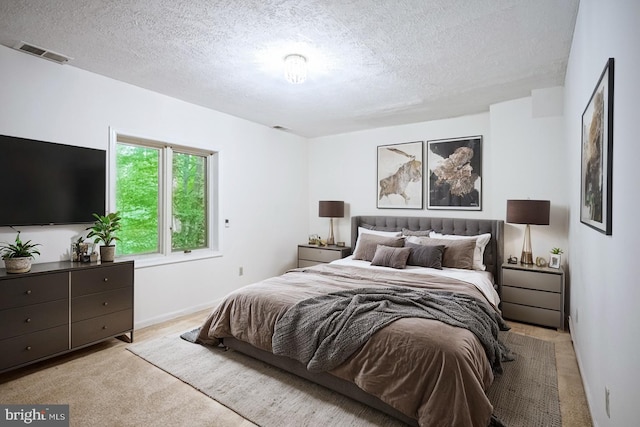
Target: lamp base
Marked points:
526	258
331	239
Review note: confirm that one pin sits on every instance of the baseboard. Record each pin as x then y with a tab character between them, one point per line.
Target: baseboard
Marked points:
585	384
175	314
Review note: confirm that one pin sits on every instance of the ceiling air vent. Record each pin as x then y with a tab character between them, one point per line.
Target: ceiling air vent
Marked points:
42	53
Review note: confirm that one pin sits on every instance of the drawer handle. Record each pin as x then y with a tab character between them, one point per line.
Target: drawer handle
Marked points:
28	292
28	320
104	327
105	303
28	348
106	279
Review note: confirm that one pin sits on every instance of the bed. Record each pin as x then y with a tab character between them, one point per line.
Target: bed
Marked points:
425	370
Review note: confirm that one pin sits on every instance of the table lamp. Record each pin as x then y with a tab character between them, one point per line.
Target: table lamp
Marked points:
331	209
528	212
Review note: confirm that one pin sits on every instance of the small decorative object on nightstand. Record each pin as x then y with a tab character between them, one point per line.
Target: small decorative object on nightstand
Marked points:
309	255
533	294
555	258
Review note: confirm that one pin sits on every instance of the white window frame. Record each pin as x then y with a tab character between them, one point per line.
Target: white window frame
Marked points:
165	255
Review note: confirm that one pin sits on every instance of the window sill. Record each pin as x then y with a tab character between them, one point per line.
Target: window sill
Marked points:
155	259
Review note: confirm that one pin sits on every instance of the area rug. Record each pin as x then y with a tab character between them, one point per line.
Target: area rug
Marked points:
525	395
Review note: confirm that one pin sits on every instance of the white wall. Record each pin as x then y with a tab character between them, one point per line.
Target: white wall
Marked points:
263	175
606	296
522	156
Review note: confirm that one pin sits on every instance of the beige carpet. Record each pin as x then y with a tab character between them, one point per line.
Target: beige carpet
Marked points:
526	395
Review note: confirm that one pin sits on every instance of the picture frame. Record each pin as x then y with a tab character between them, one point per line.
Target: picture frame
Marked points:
554	261
400	176
597	155
455	173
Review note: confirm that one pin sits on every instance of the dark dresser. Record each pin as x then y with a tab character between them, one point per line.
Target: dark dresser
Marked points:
59	307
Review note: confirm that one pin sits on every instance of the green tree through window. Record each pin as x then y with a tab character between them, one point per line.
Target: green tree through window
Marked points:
137	198
189	220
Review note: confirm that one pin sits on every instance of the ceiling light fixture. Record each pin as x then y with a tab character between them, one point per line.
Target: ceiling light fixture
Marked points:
295	68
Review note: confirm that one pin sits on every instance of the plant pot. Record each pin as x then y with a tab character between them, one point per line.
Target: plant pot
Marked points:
17	265
107	253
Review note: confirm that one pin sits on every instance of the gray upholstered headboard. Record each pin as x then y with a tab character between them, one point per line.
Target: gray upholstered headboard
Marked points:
493	253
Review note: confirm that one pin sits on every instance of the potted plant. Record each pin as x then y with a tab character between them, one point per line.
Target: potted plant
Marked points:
17	256
104	230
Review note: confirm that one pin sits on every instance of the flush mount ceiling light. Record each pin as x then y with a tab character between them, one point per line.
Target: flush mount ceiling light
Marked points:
295	68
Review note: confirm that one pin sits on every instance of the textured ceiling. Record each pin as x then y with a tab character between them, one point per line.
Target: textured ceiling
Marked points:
372	63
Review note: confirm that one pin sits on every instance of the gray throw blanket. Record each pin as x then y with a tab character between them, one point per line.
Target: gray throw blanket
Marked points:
322	332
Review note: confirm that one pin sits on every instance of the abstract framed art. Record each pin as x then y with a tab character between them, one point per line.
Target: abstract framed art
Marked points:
597	154
399	179
455	173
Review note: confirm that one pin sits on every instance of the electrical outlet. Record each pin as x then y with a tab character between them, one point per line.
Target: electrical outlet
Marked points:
576	315
607	400
240	271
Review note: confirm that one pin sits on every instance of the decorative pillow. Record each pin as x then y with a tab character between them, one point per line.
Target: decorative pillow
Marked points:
482	240
407	232
393	257
367	244
364	230
458	253
425	255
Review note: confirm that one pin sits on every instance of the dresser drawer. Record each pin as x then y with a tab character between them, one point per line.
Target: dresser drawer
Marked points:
94	280
94	305
305	263
99	328
34	289
539	316
532	280
318	254
26	348
33	318
550	300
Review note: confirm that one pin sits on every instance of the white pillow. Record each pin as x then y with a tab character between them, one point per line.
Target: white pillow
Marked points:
481	242
362	230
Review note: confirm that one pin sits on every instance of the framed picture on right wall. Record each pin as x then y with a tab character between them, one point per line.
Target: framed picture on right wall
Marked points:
597	154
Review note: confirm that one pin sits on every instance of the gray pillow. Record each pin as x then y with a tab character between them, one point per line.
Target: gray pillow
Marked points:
367	244
422	233
425	255
457	253
394	257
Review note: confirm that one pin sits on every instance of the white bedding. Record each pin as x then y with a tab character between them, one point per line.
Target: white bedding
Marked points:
483	280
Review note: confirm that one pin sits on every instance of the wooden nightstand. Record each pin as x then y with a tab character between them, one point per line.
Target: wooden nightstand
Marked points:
309	255
533	294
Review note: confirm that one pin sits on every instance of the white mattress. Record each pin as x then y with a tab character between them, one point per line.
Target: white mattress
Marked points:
483	280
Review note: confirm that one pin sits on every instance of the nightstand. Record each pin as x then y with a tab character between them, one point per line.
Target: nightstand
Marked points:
533	294
309	255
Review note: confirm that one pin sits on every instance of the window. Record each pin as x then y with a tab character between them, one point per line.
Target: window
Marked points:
166	197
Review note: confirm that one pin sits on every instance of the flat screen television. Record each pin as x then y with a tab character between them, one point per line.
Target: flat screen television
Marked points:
44	183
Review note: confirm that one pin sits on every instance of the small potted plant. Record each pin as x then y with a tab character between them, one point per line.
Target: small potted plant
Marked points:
104	230
554	258
17	256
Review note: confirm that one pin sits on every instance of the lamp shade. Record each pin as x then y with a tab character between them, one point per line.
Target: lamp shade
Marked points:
534	212
331	209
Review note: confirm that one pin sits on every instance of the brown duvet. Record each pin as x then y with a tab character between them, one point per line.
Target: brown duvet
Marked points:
424	368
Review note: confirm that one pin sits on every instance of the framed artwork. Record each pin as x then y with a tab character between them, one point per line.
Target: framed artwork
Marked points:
455	174
554	261
400	176
597	154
